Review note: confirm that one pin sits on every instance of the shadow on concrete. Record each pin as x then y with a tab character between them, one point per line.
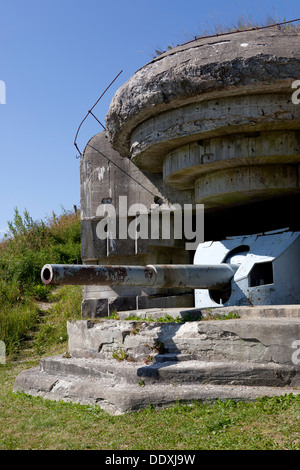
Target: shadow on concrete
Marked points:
167	352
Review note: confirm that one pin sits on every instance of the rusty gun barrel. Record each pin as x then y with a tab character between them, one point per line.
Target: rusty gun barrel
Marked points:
174	276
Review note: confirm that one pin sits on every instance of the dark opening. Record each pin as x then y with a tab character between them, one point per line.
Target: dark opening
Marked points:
261	274
46	274
220	296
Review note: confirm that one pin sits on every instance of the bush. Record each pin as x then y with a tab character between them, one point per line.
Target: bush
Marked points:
28	247
31	244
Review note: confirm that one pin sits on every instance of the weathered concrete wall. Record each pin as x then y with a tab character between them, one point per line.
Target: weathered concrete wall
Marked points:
262	341
104	177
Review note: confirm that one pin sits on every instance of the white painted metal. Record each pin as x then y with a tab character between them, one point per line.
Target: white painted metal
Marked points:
281	248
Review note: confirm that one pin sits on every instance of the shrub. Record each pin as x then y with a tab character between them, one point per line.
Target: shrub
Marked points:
29	245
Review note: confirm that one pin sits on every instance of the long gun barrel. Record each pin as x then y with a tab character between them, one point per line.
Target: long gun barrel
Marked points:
213	277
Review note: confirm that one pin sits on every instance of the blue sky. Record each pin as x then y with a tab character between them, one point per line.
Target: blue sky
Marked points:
58	56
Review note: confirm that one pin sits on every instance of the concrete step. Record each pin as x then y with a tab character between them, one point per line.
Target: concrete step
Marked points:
255	340
166	372
120	397
239	359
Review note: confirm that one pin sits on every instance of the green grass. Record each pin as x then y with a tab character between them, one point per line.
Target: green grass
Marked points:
16	323
52	326
34	423
167	318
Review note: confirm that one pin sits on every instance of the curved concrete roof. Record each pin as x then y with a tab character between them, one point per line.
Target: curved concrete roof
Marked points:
244	63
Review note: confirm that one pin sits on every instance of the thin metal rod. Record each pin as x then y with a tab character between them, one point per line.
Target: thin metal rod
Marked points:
97	119
90	110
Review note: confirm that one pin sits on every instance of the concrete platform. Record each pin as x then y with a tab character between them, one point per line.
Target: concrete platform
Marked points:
124	365
117	397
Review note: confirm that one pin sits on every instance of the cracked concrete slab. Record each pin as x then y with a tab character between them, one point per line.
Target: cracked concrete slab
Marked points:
117	396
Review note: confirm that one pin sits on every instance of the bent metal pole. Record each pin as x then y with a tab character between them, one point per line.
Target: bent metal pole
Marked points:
179	276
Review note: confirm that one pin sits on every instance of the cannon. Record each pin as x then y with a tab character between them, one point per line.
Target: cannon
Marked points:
168	276
259	269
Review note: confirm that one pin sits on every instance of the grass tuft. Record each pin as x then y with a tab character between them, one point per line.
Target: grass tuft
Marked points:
241	24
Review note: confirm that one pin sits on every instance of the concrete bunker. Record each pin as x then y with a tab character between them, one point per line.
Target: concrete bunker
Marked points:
213	123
